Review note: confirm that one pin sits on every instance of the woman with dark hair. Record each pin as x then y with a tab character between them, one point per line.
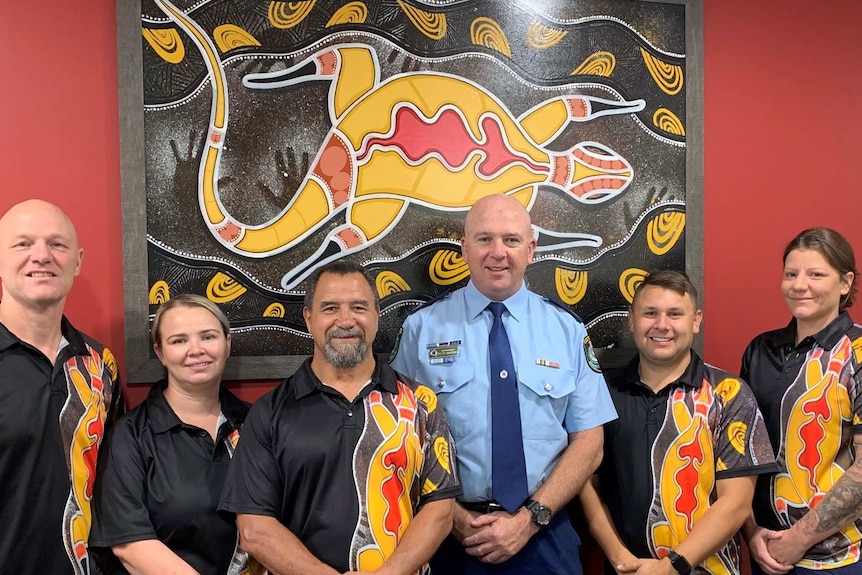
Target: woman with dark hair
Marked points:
158	488
808	382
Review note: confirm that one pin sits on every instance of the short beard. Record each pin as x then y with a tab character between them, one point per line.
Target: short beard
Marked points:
348	355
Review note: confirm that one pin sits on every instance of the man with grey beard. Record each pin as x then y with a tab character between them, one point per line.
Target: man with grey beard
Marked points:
347	466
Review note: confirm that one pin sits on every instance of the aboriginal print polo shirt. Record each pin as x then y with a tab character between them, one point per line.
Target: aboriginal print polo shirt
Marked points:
52	421
345	477
667	449
811	401
162	479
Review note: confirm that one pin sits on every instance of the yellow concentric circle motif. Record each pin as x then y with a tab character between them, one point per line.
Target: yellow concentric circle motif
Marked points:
542	37
485	32
229	36
447	267
432	24
666	120
274	310
110	361
350	13
428	397
728	389
571	285
629	281
668	76
223	288
597	64
441	450
664	230
159	293
736	432
286	15
389	282
167	44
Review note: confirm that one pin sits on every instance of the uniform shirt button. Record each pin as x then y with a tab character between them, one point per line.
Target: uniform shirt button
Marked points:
504	374
548	387
350	413
441	383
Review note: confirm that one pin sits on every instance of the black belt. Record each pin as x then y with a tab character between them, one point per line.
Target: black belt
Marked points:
482	506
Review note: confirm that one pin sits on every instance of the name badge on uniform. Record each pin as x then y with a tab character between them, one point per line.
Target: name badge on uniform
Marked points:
443	352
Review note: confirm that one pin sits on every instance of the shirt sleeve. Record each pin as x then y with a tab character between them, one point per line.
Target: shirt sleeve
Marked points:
439	475
254	484
590	405
745	368
856	390
405	352
742	444
120	513
116	405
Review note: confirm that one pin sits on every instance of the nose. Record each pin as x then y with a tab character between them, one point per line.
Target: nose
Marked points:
498	249
40	252
661	321
195	346
345	317
800	282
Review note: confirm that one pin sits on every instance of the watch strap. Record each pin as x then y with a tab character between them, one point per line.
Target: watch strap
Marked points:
679	563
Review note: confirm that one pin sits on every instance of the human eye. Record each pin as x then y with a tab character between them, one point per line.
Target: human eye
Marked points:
513	241
649	313
789	274
176	341
675	314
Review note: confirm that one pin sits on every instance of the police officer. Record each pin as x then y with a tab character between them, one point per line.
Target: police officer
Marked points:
524	456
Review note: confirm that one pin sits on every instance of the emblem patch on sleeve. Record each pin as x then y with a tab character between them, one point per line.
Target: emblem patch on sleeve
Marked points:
592	360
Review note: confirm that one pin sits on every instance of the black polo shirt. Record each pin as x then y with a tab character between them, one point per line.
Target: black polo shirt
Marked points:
345	477
664	449
162	479
52	420
811	398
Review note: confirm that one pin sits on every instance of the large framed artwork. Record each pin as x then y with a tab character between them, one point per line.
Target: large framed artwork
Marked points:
261	139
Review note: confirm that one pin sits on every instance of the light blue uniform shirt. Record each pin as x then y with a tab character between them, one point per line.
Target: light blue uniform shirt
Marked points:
558	390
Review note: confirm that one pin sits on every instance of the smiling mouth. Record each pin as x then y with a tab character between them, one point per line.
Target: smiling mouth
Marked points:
40	275
199	365
497	269
661	339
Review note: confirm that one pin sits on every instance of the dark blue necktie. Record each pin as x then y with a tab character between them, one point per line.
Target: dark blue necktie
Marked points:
508	469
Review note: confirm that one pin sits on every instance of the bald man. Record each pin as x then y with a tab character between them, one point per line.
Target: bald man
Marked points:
511	518
59	390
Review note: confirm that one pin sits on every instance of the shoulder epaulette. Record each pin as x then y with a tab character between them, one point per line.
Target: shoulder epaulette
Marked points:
431	301
563	307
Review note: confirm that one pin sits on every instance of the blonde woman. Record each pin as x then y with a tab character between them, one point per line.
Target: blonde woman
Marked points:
159	486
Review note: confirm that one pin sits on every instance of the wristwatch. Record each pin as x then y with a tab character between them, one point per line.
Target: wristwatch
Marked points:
541	514
679	563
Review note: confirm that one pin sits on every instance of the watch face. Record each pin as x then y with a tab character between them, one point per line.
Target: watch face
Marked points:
543	516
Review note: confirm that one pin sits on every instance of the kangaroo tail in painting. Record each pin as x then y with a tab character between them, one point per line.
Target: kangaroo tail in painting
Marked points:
586	108
547	240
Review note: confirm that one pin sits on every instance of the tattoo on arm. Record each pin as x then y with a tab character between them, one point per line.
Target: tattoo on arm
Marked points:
843	503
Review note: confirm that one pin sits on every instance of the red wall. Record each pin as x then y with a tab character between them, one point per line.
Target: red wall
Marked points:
781	152
781	118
